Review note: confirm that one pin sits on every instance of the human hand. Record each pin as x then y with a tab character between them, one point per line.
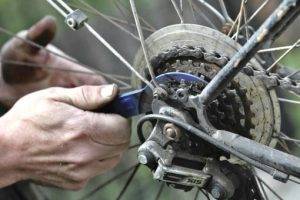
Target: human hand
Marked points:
21	79
51	137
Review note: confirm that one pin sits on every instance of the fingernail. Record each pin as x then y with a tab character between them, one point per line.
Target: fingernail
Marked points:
108	91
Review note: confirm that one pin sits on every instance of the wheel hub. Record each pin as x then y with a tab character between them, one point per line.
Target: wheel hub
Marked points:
246	107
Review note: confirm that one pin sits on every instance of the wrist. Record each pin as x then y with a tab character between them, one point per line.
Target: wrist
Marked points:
10	172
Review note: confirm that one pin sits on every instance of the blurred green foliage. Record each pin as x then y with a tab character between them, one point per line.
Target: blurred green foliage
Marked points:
16	15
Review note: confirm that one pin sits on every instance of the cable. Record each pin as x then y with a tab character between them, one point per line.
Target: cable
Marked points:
205	137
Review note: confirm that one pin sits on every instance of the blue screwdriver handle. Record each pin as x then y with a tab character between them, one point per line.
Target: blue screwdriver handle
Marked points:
126	105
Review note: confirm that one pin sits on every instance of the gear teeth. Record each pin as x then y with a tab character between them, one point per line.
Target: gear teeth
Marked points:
231	111
178	63
190	63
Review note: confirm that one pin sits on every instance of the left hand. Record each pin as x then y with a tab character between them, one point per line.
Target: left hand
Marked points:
20	80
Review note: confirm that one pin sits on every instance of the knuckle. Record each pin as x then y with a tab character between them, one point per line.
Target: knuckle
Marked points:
80	161
85	93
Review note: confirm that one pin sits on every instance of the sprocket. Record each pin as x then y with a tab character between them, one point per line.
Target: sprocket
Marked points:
247	107
231	111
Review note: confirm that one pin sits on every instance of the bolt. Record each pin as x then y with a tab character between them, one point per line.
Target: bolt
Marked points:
71	22
142	159
217	192
171	132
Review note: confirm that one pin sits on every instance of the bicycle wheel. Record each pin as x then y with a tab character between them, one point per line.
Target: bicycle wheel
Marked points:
252	103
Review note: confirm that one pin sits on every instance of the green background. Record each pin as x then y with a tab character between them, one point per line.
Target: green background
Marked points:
16	15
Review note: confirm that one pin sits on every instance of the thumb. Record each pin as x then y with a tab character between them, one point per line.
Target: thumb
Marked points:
43	31
87	97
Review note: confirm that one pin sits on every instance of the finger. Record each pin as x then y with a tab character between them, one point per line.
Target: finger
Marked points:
42	32
109	129
86	97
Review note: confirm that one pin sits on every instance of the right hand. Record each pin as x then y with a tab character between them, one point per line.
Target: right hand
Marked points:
51	137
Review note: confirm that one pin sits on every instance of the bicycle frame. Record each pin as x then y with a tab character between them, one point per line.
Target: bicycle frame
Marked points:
287	11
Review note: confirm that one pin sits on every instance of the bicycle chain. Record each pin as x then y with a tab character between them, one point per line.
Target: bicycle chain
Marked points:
273	80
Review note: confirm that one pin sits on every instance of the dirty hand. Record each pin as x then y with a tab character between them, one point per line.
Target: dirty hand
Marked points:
53	138
26	68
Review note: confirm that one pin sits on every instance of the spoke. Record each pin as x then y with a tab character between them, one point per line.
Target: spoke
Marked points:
143	44
140	17
283	55
92	31
234	25
260	185
120	8
245	23
54	5
213	10
200	12
178	11
118	55
293	74
128	182
205	194
192	10
48	67
224	11
115	19
161	188
294	181
125	13
284	145
255	13
181	7
289	101
197	194
95	72
287	138
277	49
67	58
102	185
240	20
269	188
134	146
109	20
